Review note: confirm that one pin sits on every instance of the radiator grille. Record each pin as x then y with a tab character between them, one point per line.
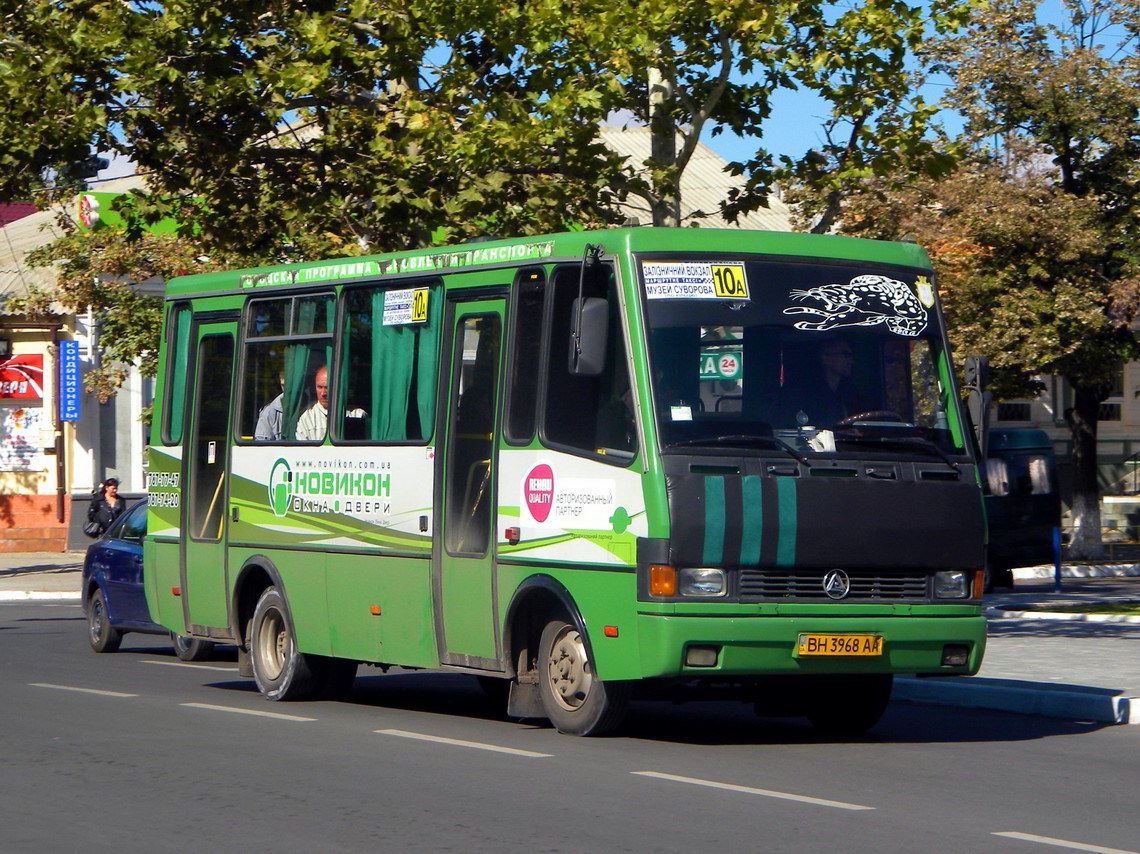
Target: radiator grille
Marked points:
807	585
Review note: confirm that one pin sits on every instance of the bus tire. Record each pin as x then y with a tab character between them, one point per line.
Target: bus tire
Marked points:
575	700
849	705
191	649
280	671
100	633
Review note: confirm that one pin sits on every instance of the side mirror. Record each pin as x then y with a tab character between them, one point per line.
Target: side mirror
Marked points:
977	376
589	331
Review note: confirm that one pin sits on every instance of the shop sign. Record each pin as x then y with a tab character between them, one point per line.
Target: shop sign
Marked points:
22	378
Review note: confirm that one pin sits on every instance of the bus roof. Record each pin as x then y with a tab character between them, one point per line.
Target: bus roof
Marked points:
535	249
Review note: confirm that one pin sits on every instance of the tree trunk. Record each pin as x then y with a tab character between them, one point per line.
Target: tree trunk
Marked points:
1086	543
666	201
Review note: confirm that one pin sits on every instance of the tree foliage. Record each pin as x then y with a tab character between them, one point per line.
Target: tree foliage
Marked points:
1036	235
101	271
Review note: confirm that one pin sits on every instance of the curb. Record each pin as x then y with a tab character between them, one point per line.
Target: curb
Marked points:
38	595
1076	570
1061	616
1069	702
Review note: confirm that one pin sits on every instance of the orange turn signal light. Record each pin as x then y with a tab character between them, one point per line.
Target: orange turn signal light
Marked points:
662	580
374	610
610	631
177	591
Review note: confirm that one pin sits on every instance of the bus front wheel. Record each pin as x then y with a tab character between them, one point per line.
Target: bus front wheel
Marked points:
280	671
575	700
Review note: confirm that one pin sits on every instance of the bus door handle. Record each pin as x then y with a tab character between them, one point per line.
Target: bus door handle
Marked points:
234	513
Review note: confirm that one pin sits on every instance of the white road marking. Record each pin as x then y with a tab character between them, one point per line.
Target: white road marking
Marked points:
478	745
81	690
1062	843
237	711
748	790
188	664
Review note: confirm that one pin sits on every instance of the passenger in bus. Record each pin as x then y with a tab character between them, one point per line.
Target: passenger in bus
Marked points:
314	421
268	427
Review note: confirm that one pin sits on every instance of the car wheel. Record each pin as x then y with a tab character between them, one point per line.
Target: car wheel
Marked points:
280	671
191	649
575	700
849	705
100	633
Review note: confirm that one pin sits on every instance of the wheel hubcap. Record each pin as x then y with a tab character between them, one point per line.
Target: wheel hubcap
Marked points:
272	644
97	620
568	670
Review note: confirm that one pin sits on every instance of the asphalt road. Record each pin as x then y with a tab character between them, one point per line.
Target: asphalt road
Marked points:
138	752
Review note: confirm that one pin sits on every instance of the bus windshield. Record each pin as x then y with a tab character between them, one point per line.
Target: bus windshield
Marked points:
812	357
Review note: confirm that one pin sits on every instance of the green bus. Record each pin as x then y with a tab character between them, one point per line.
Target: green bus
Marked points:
575	466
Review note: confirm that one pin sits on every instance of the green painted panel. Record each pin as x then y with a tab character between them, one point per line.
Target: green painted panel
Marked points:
786	504
604	598
714	521
403	631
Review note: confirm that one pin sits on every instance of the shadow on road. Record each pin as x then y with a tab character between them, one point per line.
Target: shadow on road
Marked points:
700	723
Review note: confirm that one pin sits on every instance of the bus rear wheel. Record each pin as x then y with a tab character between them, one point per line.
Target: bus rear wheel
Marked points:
191	649
575	700
280	671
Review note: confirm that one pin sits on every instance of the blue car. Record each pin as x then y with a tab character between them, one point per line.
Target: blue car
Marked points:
113	595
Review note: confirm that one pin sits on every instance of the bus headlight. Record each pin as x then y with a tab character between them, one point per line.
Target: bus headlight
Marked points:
952	584
701	581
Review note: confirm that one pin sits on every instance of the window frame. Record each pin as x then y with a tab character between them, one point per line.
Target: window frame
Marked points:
435	285
245	341
173	326
550	352
514	324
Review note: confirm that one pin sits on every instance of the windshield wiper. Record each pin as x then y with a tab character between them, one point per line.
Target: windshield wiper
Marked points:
916	439
741	440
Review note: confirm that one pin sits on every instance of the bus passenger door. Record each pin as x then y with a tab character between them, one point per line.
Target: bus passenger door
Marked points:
205	469
465	489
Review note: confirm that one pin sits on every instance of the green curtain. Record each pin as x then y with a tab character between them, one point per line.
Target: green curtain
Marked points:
427	362
400	353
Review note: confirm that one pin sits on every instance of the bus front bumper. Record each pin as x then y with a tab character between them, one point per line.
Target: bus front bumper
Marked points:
770	645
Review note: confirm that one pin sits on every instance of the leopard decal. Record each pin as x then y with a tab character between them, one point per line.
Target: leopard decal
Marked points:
867	301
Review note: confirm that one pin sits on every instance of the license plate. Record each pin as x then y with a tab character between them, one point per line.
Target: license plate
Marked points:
811	644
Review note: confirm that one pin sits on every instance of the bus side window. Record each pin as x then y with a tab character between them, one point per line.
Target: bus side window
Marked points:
591	414
526	346
287	341
387	393
177	358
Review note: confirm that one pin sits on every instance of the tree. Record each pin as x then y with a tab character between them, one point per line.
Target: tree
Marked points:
56	88
1035	236
866	63
101	270
275	131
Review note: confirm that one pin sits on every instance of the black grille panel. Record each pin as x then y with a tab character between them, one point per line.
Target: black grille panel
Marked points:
807	585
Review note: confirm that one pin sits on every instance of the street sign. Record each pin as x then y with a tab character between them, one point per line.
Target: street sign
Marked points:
69	381
722	364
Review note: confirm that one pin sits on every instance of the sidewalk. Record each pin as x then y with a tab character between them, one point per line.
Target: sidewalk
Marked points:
1077	667
1071	668
40	575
